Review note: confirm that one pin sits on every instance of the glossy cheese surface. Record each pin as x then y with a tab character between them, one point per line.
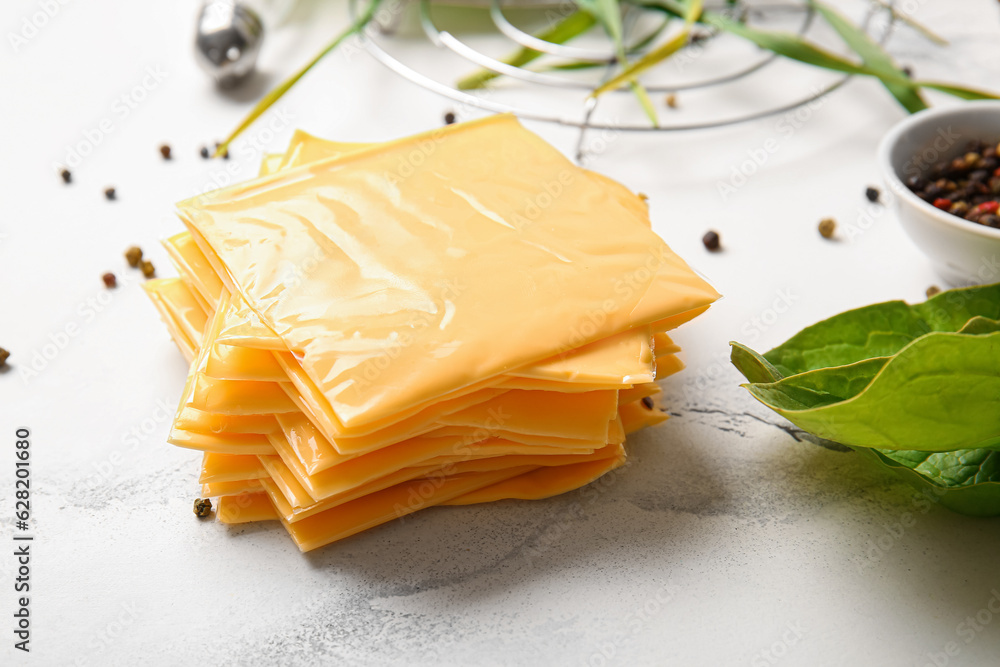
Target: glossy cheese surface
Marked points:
409	273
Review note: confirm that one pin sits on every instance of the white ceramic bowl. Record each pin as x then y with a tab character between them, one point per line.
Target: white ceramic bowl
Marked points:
963	252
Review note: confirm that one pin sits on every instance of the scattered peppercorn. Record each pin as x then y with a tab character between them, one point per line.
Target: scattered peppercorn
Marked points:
671	101
165	151
134	256
4	356
204	153
872	194
67	176
109	193
932	290
827	228
148	270
449	118
647	403
712	241
908	71
225	154
109	280
202	507
967	186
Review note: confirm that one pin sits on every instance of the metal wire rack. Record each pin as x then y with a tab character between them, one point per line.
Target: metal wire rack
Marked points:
375	42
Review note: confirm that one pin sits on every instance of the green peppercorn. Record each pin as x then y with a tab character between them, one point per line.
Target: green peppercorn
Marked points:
827	228
4	356
148	270
933	290
202	507
134	256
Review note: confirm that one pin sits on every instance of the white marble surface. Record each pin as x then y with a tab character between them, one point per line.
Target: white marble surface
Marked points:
729	540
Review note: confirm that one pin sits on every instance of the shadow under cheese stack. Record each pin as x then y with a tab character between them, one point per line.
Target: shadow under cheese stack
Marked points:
457	317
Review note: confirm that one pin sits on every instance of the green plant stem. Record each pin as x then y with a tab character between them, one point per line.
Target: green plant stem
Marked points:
276	93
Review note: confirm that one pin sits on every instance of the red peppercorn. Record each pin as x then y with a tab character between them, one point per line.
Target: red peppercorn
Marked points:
986	207
942	203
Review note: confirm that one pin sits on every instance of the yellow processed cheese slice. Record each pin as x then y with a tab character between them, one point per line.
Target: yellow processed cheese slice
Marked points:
401	500
294	503
306	149
541	483
256	408
230	468
271	163
584	416
245	507
623	358
638	393
215	489
194	268
192	419
426	451
214	424
228	443
636	416
181	313
222	443
574	365
392	503
428	278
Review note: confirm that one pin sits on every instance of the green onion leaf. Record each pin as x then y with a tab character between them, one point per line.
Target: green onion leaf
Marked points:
572	26
276	93
873	56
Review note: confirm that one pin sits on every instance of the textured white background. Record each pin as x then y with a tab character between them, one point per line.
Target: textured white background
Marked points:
725	538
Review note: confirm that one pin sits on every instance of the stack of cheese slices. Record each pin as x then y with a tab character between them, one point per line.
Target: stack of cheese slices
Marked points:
451	318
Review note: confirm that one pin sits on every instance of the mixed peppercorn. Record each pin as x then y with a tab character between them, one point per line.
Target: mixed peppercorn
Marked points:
967	186
202	507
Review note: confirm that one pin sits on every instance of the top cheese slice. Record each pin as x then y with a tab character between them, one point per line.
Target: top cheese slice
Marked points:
411	269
